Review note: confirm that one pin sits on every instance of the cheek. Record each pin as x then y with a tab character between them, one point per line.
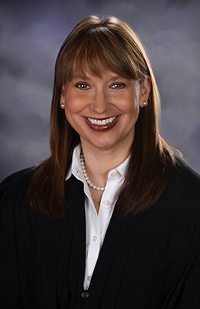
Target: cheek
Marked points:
70	107
72	110
71	117
72	120
130	105
71	104
75	104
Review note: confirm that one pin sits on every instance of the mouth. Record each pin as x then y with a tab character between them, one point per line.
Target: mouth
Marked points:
101	125
101	122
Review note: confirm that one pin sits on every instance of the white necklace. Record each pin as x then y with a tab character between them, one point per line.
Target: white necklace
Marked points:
86	176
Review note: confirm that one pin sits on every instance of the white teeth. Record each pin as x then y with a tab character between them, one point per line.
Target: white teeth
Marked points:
102	122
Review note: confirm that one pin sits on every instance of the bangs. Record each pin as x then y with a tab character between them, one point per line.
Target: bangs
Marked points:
96	53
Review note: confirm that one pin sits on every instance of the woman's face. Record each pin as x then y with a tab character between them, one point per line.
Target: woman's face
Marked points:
103	110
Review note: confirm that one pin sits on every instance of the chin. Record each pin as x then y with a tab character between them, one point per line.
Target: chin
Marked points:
104	146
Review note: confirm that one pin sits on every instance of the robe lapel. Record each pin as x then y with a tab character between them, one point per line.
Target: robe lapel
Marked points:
71	261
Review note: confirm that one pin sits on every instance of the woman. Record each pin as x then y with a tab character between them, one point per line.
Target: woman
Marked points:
111	219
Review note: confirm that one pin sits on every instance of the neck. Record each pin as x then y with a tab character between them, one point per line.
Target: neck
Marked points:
99	162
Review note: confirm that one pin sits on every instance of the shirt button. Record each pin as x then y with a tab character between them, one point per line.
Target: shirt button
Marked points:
114	173
106	202
89	278
84	294
95	238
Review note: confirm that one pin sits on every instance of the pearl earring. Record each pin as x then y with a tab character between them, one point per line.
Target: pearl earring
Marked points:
145	103
62	105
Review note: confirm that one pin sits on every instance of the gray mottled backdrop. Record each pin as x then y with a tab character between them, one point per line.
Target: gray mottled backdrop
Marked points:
31	33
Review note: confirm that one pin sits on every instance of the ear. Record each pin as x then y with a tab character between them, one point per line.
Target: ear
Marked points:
62	97
145	89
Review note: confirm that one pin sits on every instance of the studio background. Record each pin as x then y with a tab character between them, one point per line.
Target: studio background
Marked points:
31	33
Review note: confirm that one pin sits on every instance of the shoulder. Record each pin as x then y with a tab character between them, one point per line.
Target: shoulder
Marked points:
185	180
17	182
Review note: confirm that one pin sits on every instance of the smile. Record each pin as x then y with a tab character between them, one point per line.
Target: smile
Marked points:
102	122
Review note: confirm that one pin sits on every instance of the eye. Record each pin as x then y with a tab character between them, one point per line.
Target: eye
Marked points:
82	86
118	86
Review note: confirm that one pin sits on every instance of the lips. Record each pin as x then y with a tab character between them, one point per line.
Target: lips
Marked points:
101	125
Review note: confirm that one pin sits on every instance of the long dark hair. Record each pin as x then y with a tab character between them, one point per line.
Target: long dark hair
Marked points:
95	44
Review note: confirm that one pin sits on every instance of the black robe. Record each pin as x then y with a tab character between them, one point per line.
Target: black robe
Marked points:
147	261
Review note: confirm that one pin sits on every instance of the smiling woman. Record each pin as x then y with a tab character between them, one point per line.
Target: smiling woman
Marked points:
104	110
115	210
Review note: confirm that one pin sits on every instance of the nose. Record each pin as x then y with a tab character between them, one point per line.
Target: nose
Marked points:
100	102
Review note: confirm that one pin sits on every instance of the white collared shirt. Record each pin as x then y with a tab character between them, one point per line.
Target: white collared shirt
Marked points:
97	224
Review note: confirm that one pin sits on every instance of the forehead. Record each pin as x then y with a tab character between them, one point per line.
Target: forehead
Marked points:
96	66
103	75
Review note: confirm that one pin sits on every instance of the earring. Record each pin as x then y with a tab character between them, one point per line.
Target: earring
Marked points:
145	103
62	105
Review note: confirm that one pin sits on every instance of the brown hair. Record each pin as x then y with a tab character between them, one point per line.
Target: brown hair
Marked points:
96	44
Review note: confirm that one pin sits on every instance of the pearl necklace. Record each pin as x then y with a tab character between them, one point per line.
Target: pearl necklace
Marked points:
86	176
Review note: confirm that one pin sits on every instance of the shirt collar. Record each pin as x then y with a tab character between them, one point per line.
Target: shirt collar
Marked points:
76	168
